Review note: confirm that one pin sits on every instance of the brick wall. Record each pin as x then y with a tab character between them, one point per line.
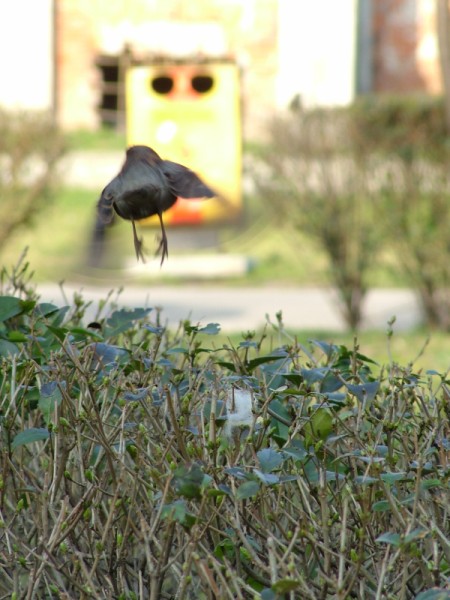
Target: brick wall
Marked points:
405	57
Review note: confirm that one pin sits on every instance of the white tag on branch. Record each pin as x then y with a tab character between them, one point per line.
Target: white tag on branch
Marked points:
239	410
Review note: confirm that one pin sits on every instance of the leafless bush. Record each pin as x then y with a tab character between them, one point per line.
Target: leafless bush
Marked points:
315	182
30	147
375	174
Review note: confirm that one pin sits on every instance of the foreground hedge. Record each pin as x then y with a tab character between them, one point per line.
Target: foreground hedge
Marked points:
142	463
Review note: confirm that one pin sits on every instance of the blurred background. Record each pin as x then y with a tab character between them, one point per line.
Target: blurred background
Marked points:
324	124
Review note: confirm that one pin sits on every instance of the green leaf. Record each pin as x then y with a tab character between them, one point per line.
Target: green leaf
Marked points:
108	354
295	378
269	459
390	538
226	365
10	306
122	319
261	360
80	333
177	350
327	349
156	329
311	471
247	344
319	427
238	472
45	309
266	478
17	336
296	450
277	409
60	333
190	481
331	383
433	372
50	397
284	586
8	349
225	548
364	392
35	434
247	490
280	418
416	534
381	506
365	479
177	511
210	329
434	594
27	305
394	477
314	375
431	483
225	489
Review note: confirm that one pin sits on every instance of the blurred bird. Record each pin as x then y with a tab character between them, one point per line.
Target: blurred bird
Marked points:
145	186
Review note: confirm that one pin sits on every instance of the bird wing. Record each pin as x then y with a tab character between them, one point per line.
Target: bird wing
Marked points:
105	212
183	182
104	219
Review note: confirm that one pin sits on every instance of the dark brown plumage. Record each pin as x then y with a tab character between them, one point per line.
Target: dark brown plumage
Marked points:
145	186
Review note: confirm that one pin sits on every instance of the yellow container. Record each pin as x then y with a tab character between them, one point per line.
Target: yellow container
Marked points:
190	113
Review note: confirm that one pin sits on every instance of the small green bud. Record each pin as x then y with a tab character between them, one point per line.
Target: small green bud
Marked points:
63	547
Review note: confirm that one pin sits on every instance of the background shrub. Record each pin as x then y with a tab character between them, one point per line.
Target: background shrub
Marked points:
362	179
30	147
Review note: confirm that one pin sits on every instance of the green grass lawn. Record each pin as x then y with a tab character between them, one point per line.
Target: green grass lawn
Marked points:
58	244
59	237
105	138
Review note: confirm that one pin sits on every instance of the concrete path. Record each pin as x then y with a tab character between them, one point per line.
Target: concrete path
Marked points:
244	308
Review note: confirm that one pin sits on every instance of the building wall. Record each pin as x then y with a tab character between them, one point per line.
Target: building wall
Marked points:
245	30
316	52
284	48
26	54
405	51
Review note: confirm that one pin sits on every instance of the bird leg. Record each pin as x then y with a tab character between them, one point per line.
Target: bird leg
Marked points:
137	243
163	243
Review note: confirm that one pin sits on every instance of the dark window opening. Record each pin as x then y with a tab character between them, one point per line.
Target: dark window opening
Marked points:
162	84
110	73
111	104
202	83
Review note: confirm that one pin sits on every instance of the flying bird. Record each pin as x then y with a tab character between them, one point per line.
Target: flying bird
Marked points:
146	185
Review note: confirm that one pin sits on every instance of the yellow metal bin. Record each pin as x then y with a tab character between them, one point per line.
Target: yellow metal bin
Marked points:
190	113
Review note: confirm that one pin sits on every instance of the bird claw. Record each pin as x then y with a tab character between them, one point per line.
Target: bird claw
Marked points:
162	246
138	245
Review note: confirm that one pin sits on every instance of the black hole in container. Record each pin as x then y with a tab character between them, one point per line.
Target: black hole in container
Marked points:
202	83
162	84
